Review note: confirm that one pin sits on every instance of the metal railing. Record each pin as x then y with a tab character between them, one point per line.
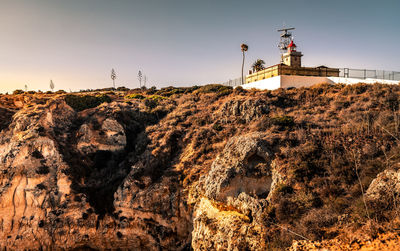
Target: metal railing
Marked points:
233	82
364	73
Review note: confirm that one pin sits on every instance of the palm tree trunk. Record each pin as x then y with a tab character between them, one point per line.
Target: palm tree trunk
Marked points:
242	68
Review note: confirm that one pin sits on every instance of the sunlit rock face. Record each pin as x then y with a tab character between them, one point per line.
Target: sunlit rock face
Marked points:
110	136
34	187
76	180
246	110
384	186
84	180
236	190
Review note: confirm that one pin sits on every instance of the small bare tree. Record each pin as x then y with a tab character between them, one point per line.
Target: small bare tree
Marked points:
144	80
140	77
26	87
51	85
113	76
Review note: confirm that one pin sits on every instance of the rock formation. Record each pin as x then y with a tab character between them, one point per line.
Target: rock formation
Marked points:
65	183
202	168
236	190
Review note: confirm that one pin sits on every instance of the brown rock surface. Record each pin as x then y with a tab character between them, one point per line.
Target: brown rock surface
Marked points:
202	168
65	183
229	214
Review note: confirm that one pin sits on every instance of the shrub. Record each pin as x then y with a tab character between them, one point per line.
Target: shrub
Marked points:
122	88
285	189
16	92
283	122
157	98
135	96
316	221
214	88
80	103
224	92
60	92
169	91
287	210
217	127
150	103
239	89
103	98
151	90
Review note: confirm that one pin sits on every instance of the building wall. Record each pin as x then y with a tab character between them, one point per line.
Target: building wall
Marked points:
265	84
302	81
309	71
287	81
276	70
269	72
292	58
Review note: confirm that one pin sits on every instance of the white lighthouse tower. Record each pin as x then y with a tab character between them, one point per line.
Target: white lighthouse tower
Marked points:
292	57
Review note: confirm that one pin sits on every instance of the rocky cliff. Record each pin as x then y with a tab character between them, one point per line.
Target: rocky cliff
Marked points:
198	168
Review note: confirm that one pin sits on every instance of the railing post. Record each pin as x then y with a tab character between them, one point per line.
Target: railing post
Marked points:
346	72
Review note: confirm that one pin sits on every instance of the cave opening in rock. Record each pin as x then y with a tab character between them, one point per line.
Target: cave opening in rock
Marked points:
99	175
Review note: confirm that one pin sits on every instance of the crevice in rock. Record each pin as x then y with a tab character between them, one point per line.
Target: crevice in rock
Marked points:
5	118
98	175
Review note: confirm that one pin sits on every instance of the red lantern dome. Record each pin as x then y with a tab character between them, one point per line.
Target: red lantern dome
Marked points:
292	46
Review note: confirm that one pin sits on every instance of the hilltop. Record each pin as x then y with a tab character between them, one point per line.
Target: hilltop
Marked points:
201	167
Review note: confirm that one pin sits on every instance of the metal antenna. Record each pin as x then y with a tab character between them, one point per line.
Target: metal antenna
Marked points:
286	38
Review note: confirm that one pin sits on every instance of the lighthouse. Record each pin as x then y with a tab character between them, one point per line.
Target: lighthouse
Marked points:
289	72
292	57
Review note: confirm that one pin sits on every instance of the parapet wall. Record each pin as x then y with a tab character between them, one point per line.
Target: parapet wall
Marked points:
286	81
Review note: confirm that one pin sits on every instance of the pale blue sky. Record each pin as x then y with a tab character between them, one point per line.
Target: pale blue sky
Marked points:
183	42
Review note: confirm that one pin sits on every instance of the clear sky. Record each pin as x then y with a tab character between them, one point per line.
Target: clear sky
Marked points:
184	42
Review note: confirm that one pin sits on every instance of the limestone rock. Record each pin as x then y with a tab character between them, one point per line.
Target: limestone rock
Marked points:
245	165
229	215
247	110
109	137
67	182
385	184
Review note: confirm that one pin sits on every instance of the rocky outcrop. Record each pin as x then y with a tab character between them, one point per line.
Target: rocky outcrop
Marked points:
387	241
385	185
5	118
246	110
34	187
81	180
110	136
200	170
228	215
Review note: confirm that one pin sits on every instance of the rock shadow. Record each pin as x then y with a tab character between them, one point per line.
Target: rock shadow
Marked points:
99	174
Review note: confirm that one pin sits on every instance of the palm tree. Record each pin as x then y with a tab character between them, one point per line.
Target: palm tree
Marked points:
244	48
258	65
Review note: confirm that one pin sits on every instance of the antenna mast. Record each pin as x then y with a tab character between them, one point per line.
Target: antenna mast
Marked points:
286	38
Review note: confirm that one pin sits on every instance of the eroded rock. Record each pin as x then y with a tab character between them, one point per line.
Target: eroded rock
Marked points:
245	165
109	137
387	183
228	215
247	110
